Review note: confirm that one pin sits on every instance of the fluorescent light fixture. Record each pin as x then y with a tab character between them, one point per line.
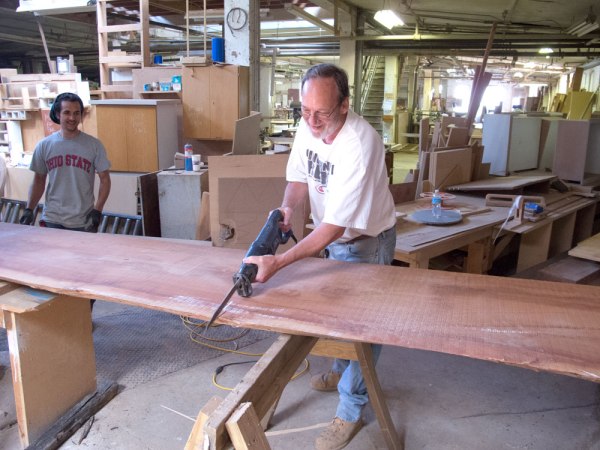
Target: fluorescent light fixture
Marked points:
586	26
388	18
45	7
545	51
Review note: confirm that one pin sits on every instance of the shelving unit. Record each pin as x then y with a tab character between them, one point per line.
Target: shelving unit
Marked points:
34	91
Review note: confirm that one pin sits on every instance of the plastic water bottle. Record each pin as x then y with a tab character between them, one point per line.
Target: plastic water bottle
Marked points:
188	151
436	204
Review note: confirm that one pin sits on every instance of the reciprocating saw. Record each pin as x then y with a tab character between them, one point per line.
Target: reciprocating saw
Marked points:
267	242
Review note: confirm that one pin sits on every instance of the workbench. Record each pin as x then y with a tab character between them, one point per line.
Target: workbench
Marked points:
569	220
417	243
531	324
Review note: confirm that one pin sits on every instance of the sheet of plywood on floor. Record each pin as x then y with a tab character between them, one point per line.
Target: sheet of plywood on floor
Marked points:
242	166
571	149
450	167
455	313
244	205
588	249
571	270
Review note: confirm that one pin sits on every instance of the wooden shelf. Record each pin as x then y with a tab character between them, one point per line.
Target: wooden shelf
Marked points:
169	94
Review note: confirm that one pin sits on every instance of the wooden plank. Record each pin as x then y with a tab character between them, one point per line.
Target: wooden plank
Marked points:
244	205
322	298
580	106
36	345
509	183
255	172
262	385
457	136
588	249
245	431
572	270
148	188
450	167
203	227
196	439
76	417
333	348
376	396
119	28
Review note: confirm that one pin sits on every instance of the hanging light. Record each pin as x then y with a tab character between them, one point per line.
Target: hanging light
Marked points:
388	18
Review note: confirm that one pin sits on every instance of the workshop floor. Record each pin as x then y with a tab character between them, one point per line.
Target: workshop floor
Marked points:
439	402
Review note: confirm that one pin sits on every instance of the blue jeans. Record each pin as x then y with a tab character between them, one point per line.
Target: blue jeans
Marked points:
352	388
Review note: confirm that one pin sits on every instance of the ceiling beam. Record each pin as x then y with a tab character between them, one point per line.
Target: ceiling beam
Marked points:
299	12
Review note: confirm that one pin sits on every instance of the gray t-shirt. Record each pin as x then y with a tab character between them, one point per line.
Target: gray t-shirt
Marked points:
70	165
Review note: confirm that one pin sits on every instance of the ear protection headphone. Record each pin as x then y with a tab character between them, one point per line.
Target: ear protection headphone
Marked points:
56	105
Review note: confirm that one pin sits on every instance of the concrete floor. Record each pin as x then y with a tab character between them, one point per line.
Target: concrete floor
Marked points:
438	402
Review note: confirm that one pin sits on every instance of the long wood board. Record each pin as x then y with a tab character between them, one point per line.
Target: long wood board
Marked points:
535	324
588	249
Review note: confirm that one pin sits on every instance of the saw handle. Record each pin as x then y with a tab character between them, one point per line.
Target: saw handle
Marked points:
266	243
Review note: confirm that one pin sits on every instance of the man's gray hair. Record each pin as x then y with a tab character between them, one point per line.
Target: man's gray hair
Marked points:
326	70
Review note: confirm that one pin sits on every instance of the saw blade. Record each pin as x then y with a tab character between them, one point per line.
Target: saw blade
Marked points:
223	303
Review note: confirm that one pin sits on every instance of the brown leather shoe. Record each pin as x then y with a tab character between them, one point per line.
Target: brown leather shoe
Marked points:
326	381
338	434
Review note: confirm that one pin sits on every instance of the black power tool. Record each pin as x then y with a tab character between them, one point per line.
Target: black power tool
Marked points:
269	238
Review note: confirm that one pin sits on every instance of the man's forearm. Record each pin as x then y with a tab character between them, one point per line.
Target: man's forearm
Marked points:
36	191
311	245
103	192
295	193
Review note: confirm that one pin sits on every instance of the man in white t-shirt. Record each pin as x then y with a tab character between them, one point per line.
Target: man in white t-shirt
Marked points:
337	160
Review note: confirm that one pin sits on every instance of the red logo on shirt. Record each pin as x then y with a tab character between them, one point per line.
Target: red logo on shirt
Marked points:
320	188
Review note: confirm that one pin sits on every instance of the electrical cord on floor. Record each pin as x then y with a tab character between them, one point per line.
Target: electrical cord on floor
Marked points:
197	335
220	369
196	330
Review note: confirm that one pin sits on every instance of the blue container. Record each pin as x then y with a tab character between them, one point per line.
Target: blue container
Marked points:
218	50
157	59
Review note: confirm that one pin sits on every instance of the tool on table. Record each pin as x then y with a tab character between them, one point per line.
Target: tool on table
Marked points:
266	243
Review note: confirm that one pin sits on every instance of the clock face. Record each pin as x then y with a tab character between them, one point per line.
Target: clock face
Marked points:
237	19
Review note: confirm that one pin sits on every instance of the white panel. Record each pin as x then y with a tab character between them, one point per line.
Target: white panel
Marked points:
237	32
524	143
179	197
496	132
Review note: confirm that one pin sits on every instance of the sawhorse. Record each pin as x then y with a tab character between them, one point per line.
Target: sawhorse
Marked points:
242	416
53	363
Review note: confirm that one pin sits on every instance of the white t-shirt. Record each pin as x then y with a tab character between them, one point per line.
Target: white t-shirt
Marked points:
71	165
347	179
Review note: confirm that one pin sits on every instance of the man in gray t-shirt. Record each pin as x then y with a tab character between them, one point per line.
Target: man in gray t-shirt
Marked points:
69	159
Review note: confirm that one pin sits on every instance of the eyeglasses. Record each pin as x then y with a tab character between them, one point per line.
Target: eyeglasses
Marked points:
319	116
